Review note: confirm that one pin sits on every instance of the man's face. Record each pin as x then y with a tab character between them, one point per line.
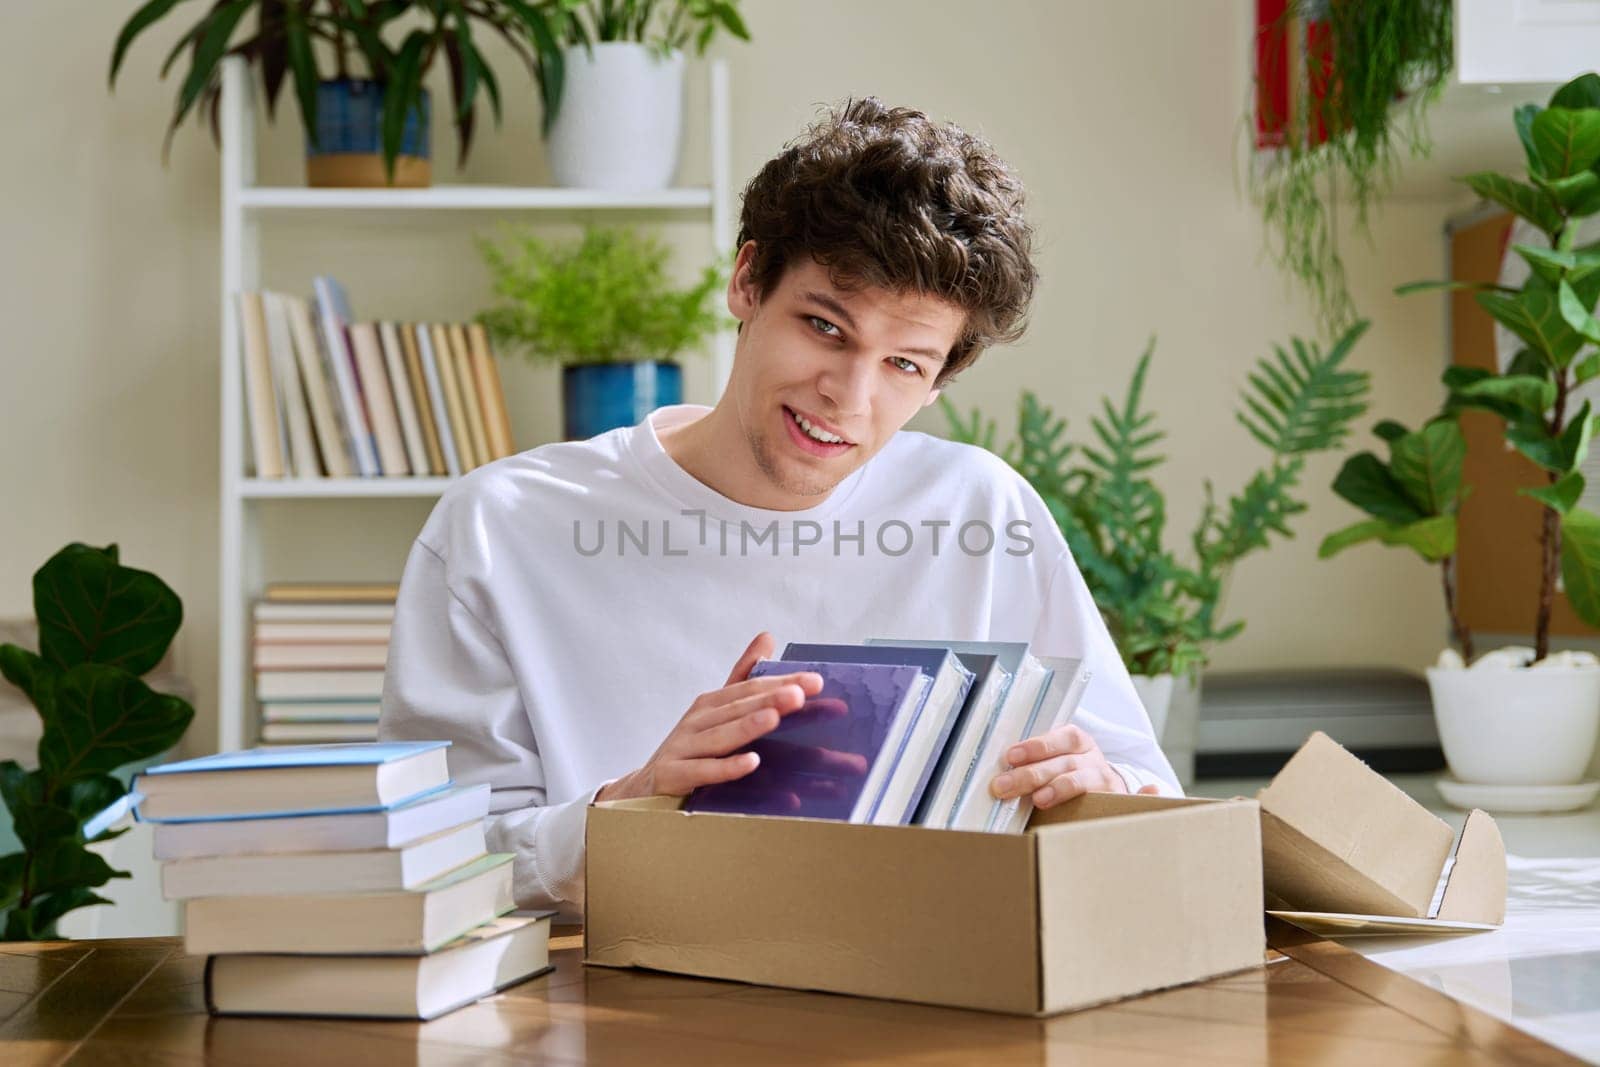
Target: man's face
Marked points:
816	361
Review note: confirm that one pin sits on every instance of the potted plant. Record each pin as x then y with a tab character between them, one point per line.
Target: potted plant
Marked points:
368	124
1164	615
601	306
101	626
1518	725
613	87
1341	91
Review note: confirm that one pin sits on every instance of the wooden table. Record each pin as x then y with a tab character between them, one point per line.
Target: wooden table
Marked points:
139	1001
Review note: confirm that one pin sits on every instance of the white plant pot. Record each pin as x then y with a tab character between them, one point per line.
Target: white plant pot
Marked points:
620	120
1173	705
1517	726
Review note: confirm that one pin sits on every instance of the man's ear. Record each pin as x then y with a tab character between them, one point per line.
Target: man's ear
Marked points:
932	396
742	298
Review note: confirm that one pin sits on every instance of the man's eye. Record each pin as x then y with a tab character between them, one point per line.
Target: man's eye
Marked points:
822	326
908	366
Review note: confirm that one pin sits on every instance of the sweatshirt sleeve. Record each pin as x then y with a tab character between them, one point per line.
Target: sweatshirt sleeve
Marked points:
448	679
1111	712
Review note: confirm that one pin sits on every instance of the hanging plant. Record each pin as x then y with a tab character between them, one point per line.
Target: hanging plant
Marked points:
1342	87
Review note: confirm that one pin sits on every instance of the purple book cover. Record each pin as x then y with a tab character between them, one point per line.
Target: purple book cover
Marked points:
818	760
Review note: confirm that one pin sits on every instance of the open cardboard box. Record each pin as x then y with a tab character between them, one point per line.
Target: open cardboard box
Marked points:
1105	896
1345	852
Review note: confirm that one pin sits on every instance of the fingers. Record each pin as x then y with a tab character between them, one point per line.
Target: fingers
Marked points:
760	647
1064	741
1020	781
1150	790
1065	787
683	777
785	694
732	735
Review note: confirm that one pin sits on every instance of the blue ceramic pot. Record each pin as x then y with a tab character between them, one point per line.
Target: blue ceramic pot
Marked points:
348	148
596	397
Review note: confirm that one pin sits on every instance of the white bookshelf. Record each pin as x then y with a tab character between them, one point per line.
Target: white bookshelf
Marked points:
246	208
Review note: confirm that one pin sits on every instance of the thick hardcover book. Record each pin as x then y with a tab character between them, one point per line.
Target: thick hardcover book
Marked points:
1068	680
828	759
292	781
919	747
491	957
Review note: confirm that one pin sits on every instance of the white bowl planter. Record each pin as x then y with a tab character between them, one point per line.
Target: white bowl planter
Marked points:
1517	726
620	120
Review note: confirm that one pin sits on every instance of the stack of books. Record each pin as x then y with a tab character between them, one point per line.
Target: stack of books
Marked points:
904	733
327	396
319	654
338	880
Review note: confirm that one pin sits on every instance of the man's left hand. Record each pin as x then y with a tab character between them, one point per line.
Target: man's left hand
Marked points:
1058	766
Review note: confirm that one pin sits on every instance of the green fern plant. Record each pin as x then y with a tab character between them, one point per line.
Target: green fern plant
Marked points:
1162	613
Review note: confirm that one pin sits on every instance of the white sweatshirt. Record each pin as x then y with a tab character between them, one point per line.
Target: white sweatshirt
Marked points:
562	608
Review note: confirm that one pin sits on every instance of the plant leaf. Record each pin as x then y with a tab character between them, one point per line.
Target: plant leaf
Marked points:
1560	496
1306	404
1534	316
141	20
1427	464
1367	530
1523	118
1567	139
1534	395
1433	538
31	674
106	717
1580	563
93	609
1522	199
1575	314
1367	483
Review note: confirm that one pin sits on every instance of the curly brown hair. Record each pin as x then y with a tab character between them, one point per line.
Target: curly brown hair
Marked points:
886	197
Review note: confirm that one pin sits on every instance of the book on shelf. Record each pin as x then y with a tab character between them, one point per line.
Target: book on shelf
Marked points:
494	956
470	399
311	778
393	827
266	445
303	733
422	400
333	317
379	400
490	387
321	632
319	685
387	921
919	743
438	398
333	439
294	416
308	711
405	400
328	656
455	404
831	758
326	595
315	612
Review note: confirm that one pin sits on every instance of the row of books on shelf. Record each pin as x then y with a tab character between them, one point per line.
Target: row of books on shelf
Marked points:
318	654
903	733
347	880
327	396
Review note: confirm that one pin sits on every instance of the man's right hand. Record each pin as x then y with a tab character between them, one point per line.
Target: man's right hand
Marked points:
720	722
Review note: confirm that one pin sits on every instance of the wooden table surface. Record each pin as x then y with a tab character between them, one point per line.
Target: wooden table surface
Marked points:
139	1001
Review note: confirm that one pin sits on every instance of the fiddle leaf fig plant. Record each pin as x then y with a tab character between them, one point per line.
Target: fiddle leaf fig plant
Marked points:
101	626
1163	613
1553	315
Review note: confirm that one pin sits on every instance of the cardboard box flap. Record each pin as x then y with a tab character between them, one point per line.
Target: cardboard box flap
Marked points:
1334	924
1338	837
1476	888
1087	806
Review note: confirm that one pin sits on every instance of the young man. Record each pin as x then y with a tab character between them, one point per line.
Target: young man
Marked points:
566	614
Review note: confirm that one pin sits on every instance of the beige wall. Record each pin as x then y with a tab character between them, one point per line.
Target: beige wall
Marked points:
1123	119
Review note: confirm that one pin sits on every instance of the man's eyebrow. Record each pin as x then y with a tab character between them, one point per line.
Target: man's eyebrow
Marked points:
838	309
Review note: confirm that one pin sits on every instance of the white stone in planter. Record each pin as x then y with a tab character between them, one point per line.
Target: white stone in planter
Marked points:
620	120
1501	723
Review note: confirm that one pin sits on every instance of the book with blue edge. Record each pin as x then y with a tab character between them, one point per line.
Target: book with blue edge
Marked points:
303	780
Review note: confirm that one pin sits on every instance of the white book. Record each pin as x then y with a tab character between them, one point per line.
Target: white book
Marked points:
333	315
379	399
394	360
498	954
266	444
977	806
964	747
333	440
268	612
340	832
1069	678
289	390
292	873
302	733
330	924
319	685
320	657
320	710
436	398
318	633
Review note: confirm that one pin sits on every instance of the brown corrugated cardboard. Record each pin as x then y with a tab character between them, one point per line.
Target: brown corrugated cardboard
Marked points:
1103	897
1344	851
